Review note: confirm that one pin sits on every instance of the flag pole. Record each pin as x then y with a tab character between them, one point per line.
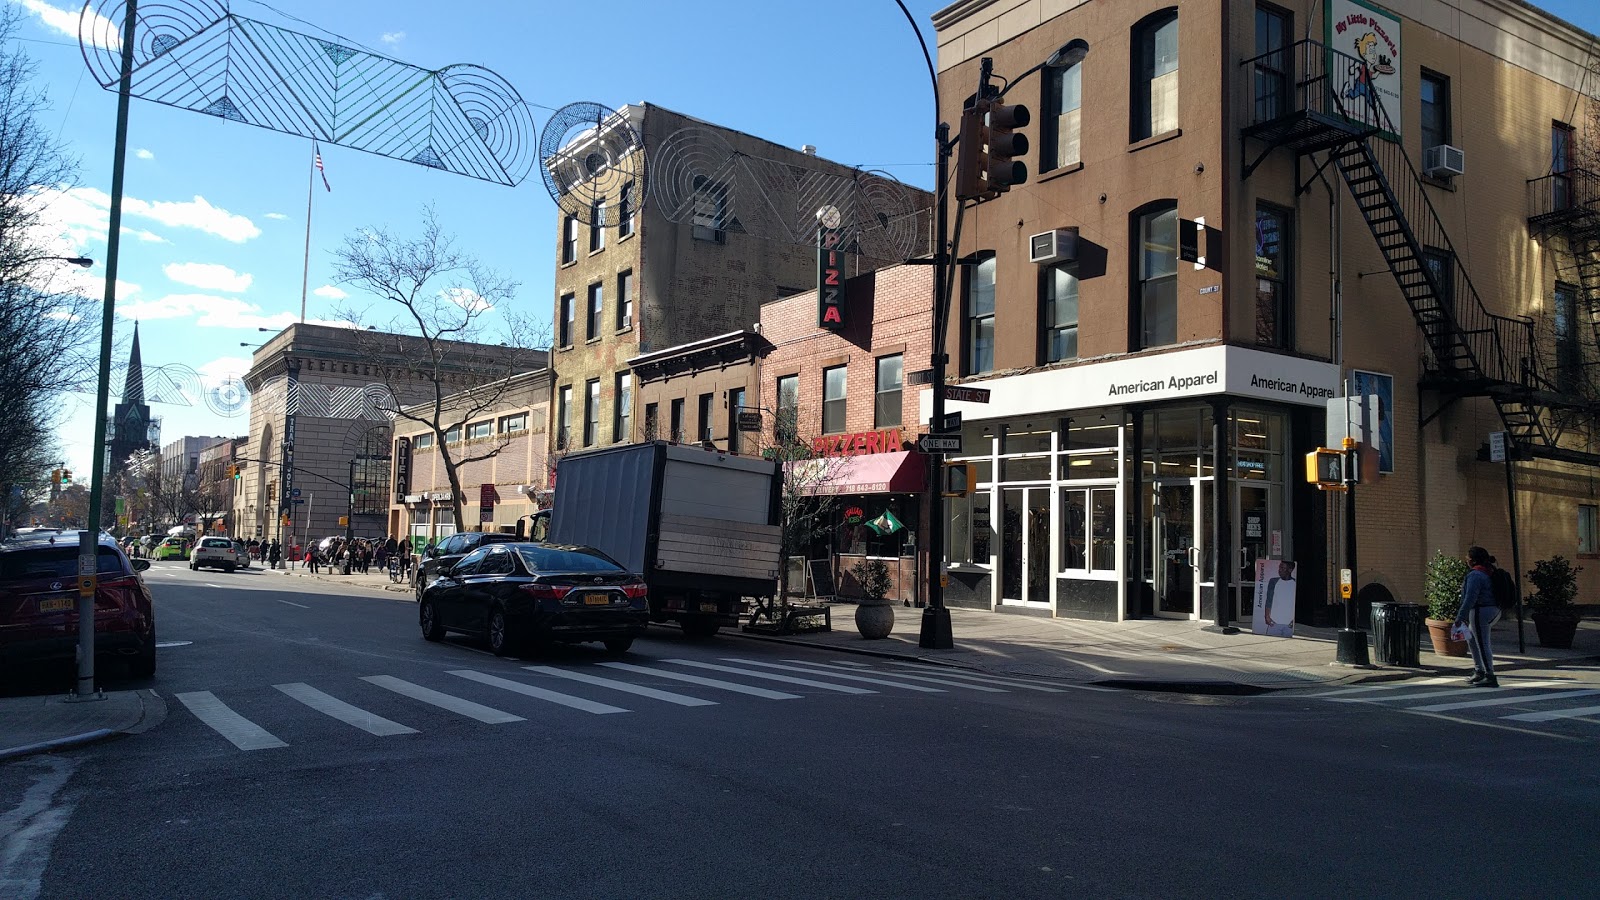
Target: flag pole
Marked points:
305	267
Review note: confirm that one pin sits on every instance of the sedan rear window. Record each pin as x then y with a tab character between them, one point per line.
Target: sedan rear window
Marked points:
224	543
53	562
545	559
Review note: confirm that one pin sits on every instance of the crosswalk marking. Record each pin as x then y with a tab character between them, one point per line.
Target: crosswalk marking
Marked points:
703	682
990	679
344	712
1505	701
1369	688
910	677
771	676
241	732
485	714
1554	714
878	681
1391	698
528	690
625	687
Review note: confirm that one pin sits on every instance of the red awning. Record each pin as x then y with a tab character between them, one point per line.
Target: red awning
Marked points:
901	472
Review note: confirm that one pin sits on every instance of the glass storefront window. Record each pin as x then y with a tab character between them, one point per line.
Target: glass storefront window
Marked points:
1033	468
1025	439
1103	530
1090	430
968	540
1081	466
1089	530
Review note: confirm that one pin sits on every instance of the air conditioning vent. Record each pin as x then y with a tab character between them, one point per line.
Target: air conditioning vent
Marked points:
626	321
1443	161
1050	247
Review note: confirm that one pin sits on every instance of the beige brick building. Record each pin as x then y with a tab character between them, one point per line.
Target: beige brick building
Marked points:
1143	445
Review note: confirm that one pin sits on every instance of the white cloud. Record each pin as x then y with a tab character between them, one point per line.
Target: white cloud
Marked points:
196	213
330	292
467	299
102	33
209	276
276	217
81	214
65	315
148	237
210	311
142	153
393	38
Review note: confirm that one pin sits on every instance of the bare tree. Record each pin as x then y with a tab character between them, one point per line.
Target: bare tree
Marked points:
447	314
806	502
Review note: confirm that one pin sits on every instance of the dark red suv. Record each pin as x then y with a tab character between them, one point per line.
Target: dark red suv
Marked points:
39	602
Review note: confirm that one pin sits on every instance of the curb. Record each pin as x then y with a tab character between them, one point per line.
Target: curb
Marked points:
152	712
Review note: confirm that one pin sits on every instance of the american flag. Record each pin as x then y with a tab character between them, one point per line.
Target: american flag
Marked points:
317	152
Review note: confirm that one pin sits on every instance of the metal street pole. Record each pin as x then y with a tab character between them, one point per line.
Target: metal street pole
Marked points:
350	518
1516	546
89	539
936	632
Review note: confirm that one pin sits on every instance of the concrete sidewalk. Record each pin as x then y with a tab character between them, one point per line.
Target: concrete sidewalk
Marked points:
1161	653
376	579
30	725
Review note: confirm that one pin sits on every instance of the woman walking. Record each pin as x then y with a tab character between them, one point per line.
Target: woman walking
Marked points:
1478	614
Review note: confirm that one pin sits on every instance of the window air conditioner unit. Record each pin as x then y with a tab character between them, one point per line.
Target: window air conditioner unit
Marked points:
627	321
1443	161
1049	247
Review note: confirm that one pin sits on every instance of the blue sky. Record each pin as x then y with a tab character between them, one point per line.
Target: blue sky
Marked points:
217	209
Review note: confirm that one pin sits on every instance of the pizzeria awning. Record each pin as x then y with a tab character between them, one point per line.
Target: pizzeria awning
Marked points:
901	472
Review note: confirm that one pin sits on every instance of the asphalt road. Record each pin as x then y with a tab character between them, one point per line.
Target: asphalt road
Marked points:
506	781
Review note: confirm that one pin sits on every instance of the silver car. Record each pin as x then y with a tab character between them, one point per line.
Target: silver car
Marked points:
217	552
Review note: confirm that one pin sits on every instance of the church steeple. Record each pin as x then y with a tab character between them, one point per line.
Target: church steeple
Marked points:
133	381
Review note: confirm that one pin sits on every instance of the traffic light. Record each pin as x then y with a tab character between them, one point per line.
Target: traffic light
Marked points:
1325	469
960	479
66	478
988	147
233	472
55	477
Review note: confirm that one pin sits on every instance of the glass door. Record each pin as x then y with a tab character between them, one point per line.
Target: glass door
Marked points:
1253	536
1025	547
1175	548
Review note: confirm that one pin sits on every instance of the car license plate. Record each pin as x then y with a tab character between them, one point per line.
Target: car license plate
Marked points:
708	607
596	600
58	604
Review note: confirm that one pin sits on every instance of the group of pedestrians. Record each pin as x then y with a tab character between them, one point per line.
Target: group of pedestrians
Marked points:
361	554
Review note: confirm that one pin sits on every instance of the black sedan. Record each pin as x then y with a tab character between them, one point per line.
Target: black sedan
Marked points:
516	593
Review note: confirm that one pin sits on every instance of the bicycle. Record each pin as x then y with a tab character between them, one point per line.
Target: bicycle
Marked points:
394	569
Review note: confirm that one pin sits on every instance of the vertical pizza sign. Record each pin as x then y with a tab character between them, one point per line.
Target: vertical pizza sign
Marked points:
1367	72
830	270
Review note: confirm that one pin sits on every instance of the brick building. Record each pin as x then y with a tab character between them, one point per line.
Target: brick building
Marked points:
693	393
1392	208
216	489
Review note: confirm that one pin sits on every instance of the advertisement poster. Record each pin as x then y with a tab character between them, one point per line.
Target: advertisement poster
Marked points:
1372	35
1376	384
1274	601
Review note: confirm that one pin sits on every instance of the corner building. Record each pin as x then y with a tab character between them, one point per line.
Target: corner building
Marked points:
1393	205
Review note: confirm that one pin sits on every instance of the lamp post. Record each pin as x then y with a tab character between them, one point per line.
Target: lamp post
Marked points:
80	261
935	633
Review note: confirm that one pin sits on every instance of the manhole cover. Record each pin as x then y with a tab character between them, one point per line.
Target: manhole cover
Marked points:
160	644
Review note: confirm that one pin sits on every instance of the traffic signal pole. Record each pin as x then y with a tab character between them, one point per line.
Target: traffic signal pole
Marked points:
936	633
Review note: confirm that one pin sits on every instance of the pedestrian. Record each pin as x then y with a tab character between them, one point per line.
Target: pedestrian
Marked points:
274	554
1477	615
311	560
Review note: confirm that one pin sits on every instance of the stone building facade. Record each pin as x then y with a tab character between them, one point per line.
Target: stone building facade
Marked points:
693	393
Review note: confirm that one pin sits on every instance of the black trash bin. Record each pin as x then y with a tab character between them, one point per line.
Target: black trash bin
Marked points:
1380	632
1396	633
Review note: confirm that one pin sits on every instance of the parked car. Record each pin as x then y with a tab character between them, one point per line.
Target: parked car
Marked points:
450	551
217	552
243	549
171	548
39	602
516	593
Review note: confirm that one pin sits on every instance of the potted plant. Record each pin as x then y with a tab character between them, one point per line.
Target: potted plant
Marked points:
874	616
1442	589
1555	586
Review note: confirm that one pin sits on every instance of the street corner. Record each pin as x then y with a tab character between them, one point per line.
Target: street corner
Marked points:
35	725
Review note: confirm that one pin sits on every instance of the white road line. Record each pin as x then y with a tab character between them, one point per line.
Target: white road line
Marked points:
878	681
786	679
241	732
1008	682
486	714
1556	714
217	586
909	677
528	690
1427	695
344	712
1505	701
1366	689
291	603
703	682
625	687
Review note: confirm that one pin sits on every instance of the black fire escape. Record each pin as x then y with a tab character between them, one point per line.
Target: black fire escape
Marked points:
1319	103
1564	211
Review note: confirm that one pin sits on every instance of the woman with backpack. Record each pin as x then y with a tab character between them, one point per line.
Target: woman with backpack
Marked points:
1479	611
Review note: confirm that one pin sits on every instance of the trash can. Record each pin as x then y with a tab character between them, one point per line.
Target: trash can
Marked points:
1379	625
1396	633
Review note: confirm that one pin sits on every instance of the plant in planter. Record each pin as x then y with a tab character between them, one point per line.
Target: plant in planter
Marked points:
1442	591
1555	585
874	615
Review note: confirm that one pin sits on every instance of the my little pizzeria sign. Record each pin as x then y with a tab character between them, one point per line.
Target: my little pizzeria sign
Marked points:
862	442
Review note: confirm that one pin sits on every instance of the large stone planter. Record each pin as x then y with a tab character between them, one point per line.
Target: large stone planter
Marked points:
1439	633
1556	630
874	619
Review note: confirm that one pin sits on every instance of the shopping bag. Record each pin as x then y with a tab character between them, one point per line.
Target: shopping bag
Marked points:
1460	632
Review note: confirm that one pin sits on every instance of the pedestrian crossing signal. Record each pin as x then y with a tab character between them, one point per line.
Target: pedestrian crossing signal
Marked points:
1325	469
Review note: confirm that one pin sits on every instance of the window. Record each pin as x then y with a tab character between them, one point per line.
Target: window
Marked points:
652	421
710	210
1157	322
1060	133
422	442
564	417
1569	353
887	409
706	426
1435	93
1088	533
569	239
622	416
677	420
517	422
1588	528
787	428
625	206
1058	313
735	406
567	313
979	303
480	430
1274	306
1155	75
1561	164
596	304
1273	61
624	300
597	226
452	435
833	391
1438	264
591	411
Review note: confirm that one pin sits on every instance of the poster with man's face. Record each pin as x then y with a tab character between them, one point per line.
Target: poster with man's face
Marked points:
1274	600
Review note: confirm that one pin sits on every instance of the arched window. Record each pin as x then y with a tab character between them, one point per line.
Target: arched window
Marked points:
978	310
1155	75
1155	232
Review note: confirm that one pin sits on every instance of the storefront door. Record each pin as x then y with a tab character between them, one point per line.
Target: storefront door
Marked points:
1175	545
1255	520
1025	547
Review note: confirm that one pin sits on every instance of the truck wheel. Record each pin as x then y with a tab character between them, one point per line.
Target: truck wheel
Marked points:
618	646
700	628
